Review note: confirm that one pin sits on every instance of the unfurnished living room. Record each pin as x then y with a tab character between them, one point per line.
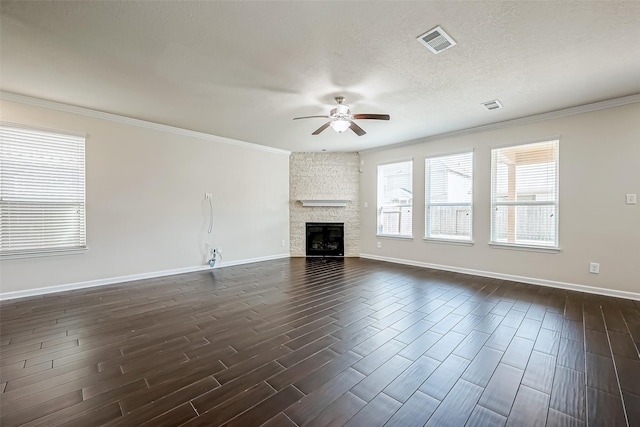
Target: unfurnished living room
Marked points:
320	213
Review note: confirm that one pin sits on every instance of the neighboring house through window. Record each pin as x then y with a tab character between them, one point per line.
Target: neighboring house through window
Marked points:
395	199
449	197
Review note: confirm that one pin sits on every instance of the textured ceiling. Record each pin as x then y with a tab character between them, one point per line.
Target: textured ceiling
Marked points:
243	70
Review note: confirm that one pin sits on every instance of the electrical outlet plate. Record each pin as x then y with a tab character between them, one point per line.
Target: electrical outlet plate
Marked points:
631	199
594	268
379	244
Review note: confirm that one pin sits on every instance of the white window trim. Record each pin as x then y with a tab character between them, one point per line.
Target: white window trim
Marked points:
397	236
50	251
43	253
466	242
524	246
449	241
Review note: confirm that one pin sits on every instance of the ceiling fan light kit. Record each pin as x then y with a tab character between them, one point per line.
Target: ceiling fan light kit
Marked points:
340	125
341	119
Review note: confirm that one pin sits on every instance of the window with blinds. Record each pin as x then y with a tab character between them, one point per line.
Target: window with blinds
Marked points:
524	195
449	197
42	192
395	199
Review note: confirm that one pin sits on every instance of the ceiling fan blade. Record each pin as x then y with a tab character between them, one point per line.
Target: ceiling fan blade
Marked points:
321	128
371	116
310	117
357	129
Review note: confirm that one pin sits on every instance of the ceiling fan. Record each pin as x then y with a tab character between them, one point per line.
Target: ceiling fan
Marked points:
341	119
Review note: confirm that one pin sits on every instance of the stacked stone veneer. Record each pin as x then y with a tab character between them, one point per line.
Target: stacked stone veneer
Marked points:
324	176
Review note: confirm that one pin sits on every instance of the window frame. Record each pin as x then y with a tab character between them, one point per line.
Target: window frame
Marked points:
427	190
14	198
379	205
555	247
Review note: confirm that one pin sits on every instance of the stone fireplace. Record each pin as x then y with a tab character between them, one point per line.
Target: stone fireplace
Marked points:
329	185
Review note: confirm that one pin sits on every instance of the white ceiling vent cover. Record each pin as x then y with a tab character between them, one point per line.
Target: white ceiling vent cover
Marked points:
492	105
436	40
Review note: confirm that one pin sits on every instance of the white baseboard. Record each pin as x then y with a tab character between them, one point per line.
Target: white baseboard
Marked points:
154	274
132	277
252	260
531	280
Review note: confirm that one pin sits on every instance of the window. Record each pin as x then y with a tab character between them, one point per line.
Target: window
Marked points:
524	195
42	192
395	199
449	197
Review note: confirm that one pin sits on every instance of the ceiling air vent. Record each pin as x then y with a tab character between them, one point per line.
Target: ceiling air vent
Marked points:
436	40
492	105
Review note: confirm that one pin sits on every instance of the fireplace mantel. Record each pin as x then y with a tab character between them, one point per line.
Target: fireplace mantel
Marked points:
324	203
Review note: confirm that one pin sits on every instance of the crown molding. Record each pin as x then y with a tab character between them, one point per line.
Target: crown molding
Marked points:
571	111
67	108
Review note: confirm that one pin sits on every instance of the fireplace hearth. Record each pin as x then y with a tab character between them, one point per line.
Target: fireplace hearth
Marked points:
325	239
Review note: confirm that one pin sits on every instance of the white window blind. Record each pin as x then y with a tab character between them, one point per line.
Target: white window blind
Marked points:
449	197
395	199
524	194
42	192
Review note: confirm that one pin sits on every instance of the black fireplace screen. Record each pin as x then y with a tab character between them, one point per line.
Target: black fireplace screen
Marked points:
325	239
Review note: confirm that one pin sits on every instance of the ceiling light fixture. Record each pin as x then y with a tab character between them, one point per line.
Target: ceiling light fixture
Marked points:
340	125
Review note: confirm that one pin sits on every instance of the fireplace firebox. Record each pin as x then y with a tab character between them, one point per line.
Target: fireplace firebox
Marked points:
325	239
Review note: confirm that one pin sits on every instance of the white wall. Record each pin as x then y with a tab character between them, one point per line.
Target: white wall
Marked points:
599	164
325	176
146	210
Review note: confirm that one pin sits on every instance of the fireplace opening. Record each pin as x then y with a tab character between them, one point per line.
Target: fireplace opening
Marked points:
325	239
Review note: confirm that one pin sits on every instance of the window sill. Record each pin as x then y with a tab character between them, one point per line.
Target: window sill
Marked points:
527	248
45	253
395	236
449	241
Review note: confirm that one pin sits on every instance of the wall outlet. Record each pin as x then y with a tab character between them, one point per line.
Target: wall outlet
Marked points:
631	199
594	268
208	196
366	205
282	243
379	245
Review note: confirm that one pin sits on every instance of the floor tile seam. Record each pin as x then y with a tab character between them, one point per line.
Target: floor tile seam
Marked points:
615	369
39	373
41	390
36	338
245	410
270	318
382	365
313	330
476	403
633	342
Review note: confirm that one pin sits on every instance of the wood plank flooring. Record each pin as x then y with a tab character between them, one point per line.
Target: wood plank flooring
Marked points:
317	342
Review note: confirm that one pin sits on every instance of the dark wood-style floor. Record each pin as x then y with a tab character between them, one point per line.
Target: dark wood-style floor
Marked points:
320	342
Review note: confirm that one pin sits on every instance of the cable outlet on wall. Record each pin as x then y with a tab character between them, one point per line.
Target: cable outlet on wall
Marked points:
379	245
594	268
